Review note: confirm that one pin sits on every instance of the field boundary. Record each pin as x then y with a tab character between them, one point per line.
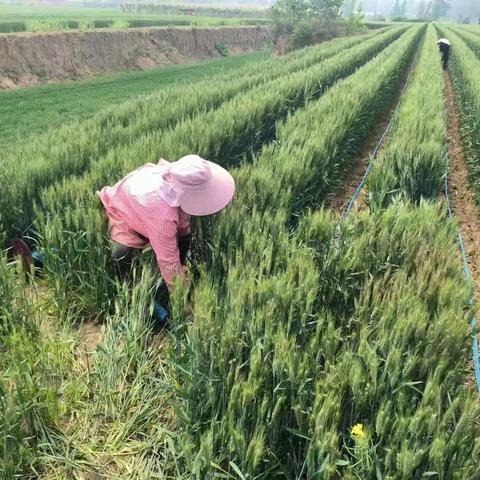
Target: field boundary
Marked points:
36	58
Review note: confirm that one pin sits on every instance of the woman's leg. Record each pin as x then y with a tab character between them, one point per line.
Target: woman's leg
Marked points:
122	257
184	245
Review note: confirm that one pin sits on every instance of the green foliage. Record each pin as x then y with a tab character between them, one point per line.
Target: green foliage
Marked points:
71	150
30	374
294	11
286	338
413	163
21	18
303	34
87	24
12	27
45	26
222	49
120	24
65	410
310	167
287	356
355	17
319	347
238	126
34	110
287	373
302	21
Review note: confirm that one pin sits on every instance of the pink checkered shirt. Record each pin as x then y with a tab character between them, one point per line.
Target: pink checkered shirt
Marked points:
138	216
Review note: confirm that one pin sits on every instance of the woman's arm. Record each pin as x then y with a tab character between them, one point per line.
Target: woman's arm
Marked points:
165	245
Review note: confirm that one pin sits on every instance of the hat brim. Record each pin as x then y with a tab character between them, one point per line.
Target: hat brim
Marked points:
213	199
444	40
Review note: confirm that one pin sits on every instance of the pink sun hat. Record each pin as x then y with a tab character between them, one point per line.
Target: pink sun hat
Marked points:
203	187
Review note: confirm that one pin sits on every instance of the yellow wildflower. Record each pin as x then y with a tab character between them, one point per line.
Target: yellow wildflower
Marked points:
358	432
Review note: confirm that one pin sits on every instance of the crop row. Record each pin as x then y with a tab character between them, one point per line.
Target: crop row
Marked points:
472	40
304	325
286	94
377	78
299	336
68	216
308	166
413	163
264	287
63	412
310	335
465	67
300	169
73	149
471	28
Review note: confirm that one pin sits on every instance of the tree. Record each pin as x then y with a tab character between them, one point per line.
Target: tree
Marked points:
399	9
298	23
326	11
355	16
440	8
353	9
422	9
349	8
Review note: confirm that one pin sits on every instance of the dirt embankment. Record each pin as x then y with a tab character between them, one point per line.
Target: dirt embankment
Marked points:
32	58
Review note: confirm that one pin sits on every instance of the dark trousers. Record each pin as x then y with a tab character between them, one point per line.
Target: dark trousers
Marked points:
122	259
122	256
445	60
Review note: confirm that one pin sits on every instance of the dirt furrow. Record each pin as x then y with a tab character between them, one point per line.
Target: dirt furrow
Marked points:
462	196
338	201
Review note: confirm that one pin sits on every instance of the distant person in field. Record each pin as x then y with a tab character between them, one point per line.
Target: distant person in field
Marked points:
444	46
153	205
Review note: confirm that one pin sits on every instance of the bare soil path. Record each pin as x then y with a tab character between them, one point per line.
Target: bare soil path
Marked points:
338	200
462	196
90	335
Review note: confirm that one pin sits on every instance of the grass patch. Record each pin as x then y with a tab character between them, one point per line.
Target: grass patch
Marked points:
18	18
35	109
